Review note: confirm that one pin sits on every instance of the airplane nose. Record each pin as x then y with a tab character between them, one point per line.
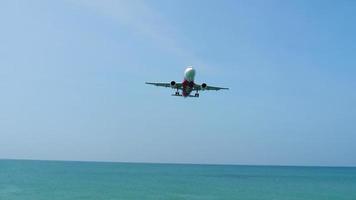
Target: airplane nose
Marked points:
189	74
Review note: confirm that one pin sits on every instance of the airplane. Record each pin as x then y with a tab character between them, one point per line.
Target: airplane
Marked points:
188	85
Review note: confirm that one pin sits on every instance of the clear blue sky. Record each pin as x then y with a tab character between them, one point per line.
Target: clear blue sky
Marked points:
72	79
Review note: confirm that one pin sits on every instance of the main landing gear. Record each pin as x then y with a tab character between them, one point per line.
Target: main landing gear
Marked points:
196	93
177	92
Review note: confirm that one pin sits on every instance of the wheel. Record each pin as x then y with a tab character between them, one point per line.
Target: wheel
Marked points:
197	94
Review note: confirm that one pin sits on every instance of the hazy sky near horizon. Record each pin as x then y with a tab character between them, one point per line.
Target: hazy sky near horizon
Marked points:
72	79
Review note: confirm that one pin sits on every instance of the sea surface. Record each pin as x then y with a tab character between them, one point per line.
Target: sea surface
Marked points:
52	180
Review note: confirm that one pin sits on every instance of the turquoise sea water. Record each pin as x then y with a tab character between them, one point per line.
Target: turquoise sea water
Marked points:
51	180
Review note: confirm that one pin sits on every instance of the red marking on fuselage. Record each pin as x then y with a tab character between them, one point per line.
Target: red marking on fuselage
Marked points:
187	87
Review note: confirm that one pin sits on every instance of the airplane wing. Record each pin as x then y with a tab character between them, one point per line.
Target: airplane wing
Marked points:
207	87
176	86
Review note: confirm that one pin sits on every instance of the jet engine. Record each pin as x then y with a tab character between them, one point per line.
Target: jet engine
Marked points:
204	85
173	83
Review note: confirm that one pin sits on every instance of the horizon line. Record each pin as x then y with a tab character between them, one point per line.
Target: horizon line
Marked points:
176	163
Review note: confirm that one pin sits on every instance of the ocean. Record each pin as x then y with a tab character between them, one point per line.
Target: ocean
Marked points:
60	180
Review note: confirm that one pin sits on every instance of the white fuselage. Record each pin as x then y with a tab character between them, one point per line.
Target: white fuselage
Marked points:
188	82
189	74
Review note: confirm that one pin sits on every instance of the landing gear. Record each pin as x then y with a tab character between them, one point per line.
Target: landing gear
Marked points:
177	93
196	93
